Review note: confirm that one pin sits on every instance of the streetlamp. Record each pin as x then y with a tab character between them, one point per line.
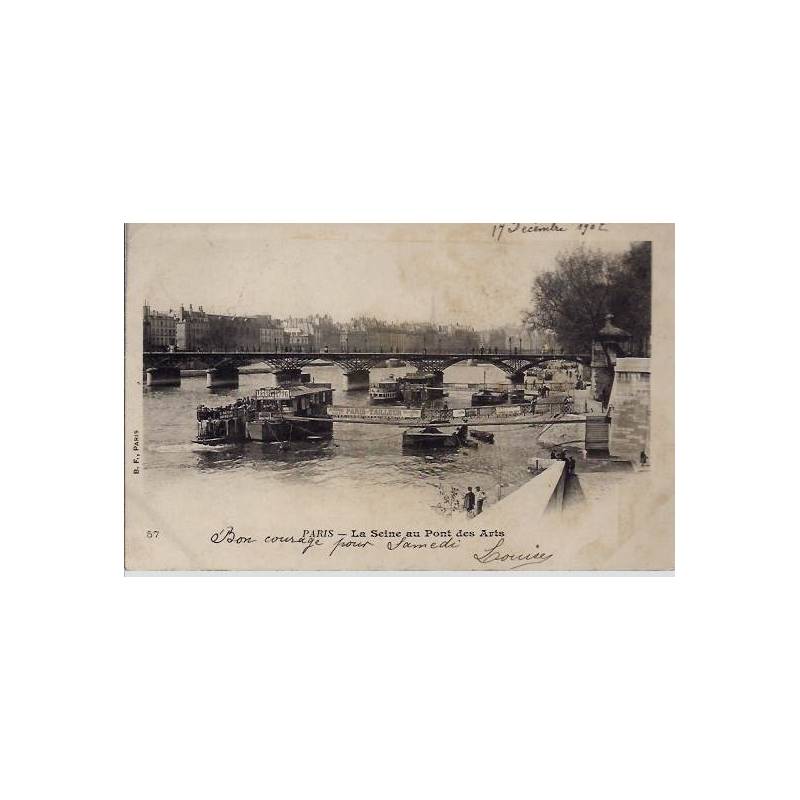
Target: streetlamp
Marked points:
509	344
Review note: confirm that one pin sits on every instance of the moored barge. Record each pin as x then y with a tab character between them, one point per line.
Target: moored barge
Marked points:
431	436
492	397
419	389
488	397
279	414
272	406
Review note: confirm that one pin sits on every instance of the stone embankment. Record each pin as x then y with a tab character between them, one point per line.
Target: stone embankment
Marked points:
540	495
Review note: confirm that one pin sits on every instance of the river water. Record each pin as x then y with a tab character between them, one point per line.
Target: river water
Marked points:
359	460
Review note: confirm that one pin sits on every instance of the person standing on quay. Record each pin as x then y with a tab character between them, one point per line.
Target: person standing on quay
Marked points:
480	499
469	500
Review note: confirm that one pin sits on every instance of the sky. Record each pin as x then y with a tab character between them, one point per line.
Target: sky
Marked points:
393	272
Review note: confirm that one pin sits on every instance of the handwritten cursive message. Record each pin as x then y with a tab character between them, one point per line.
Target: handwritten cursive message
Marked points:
332	542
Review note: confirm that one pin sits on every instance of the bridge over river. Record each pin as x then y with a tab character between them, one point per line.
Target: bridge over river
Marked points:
222	368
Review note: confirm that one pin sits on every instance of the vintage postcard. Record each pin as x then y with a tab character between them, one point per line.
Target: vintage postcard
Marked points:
376	397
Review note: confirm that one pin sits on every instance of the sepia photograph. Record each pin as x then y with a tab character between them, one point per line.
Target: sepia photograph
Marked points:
369	491
399	397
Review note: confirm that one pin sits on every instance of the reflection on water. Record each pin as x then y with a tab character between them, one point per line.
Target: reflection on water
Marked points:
228	456
354	455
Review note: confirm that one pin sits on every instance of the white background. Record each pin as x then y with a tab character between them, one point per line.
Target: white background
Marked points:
399	687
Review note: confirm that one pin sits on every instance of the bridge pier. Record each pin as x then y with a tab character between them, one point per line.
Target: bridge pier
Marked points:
163	376
517	378
217	377
356	379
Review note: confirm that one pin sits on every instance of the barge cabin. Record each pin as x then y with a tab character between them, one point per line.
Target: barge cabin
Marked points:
268	421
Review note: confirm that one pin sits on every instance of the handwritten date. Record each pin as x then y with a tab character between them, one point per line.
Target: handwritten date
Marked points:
510	228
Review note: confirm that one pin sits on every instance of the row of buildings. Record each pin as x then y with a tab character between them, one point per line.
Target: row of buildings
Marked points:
196	330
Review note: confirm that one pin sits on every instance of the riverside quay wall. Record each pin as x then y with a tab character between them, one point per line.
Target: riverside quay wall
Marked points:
629	407
542	494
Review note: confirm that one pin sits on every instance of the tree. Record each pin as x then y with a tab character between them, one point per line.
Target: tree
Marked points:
631	294
573	299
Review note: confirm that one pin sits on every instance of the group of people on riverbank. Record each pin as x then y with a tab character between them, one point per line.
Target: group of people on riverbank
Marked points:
474	501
